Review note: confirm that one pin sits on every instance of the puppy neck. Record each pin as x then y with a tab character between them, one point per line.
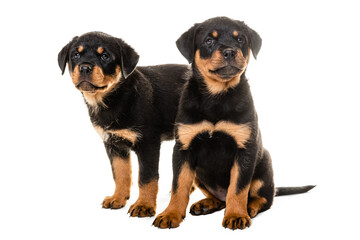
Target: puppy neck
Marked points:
97	101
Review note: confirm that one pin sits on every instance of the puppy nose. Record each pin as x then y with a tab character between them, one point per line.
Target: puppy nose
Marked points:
229	54
86	68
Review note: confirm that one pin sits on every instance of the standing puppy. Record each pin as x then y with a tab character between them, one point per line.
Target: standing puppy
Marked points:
218	141
131	109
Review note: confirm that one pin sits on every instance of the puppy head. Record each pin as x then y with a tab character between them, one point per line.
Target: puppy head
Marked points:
97	62
220	48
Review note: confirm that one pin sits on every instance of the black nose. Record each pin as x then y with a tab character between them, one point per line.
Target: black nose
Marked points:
86	68
229	54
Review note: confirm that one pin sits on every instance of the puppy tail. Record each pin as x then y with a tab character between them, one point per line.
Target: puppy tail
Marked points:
281	191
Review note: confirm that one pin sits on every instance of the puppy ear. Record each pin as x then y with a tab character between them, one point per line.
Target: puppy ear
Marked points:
128	58
63	55
186	43
255	42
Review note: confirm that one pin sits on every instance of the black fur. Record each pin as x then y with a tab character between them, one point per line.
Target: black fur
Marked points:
144	100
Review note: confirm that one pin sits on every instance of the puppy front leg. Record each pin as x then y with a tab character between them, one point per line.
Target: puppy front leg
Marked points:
148	157
182	182
121	169
236	214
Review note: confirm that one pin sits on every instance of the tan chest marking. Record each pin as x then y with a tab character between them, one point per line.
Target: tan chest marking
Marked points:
240	132
128	134
187	132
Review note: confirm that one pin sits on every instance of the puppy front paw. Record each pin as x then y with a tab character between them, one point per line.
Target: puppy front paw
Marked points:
236	222
168	220
141	210
114	202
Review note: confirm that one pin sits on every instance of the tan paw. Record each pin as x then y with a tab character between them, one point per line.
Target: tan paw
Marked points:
141	210
206	206
114	202
168	220
236	222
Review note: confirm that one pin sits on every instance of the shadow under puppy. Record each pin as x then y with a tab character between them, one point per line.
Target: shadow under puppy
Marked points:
218	141
131	109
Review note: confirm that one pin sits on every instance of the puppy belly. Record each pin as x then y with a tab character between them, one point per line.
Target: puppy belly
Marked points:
219	193
214	156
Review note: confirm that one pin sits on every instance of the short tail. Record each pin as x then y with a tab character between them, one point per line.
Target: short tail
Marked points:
281	191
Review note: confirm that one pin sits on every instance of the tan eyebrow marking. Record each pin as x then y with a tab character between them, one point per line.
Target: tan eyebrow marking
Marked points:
100	50
215	34
80	49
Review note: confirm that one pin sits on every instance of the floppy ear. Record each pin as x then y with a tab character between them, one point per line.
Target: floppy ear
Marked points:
128	58
63	55
186	43
255	42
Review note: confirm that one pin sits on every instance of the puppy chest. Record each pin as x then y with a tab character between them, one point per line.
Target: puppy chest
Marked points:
206	131
128	134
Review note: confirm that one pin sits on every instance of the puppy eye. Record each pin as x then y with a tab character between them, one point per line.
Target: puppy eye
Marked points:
241	40
76	56
209	42
105	57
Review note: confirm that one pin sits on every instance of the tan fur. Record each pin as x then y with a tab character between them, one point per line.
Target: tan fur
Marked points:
176	210
145	205
187	132
214	83
257	202
236	202
209	203
240	132
122	177
128	134
75	75
215	34
100	50
99	79
80	48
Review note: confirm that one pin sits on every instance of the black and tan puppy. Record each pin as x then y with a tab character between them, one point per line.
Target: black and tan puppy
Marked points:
218	141
131	109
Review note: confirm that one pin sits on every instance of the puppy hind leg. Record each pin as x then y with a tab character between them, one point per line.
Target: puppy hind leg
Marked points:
183	178
261	192
208	205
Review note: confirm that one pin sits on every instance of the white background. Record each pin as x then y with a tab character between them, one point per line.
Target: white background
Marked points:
54	172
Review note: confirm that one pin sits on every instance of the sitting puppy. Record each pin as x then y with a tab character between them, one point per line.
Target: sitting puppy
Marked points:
131	109
218	141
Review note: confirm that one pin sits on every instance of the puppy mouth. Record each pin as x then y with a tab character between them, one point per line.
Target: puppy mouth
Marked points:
226	72
86	86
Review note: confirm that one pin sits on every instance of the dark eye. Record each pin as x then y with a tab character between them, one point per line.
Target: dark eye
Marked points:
105	57
241	40
76	56
209	42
